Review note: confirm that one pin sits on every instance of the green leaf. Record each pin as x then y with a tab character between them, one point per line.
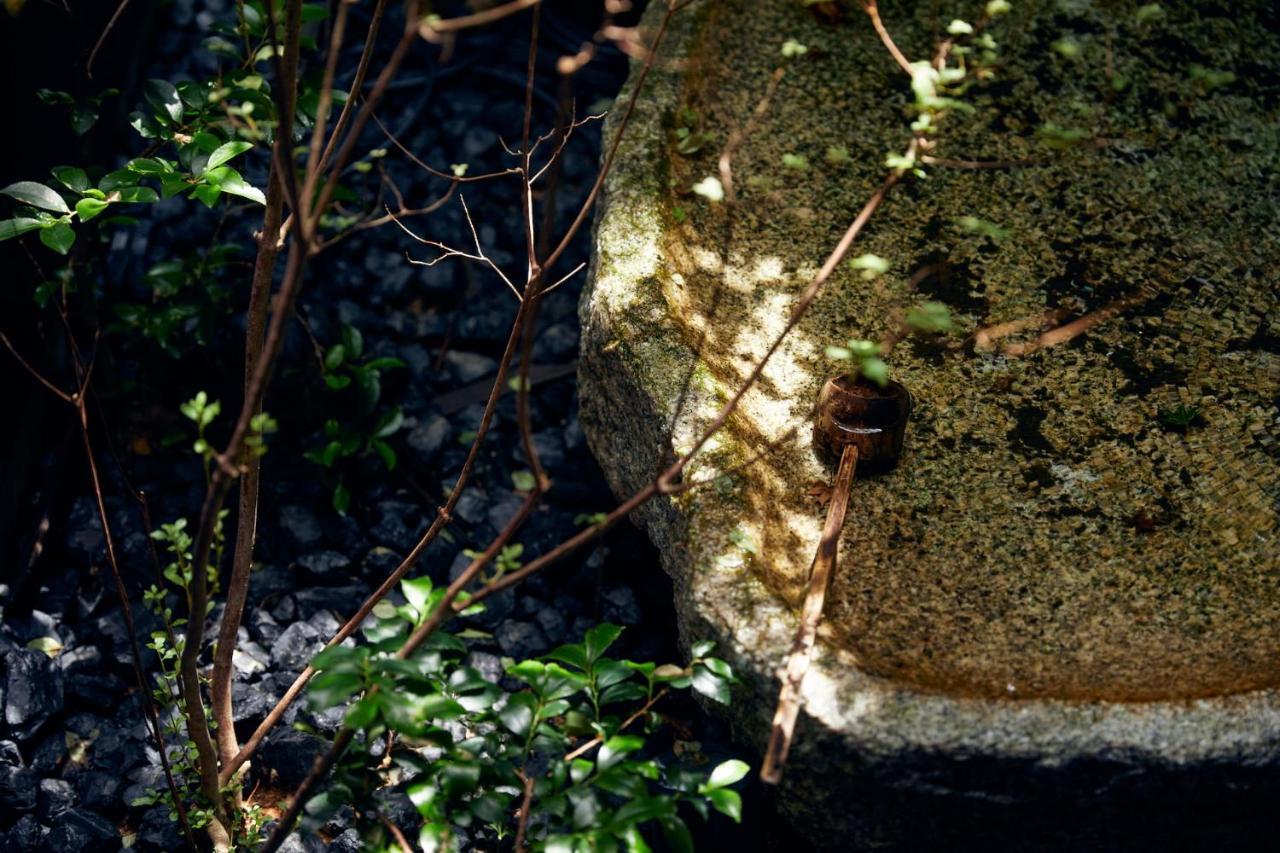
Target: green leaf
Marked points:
207	193
312	12
616	748
334	357
574	655
517	715
226	152
389	423
51	646
146	166
459	778
72	177
10	228
676	833
710	685
701	648
929	317
727	802
228	180
523	481
600	638
171	185
727	773
332	688
875	370
118	179
384	450
138	195
871	265
163	98
341	499
528	670
59	237
36	195
87	208
416	592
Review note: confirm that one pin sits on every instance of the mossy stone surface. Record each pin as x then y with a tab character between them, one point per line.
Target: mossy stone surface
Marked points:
1059	563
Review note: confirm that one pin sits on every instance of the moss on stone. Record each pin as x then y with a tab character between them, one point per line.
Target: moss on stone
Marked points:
1047	534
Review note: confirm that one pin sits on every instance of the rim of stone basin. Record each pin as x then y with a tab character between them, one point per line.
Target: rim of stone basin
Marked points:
880	715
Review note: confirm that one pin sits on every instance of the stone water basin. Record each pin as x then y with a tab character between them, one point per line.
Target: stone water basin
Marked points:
1069	589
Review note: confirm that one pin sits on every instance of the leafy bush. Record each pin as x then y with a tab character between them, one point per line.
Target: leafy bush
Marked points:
564	761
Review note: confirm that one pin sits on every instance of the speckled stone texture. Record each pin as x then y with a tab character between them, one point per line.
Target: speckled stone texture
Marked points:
1062	594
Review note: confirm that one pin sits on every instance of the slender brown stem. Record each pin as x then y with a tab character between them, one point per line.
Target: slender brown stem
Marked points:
396	833
325	100
526	806
357	83
874	14
1069	331
824	563
478	19
599	739
35	374
148	701
443	516
79	401
343	154
97	46
930	160
255	327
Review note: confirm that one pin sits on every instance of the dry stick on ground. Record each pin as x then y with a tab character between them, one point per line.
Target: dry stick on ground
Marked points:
78	401
824	563
1068	331
255	326
737	137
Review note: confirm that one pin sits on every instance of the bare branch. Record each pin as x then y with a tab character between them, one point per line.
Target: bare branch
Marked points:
433	27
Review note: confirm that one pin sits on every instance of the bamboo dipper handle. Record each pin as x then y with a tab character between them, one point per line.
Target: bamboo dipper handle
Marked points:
824	563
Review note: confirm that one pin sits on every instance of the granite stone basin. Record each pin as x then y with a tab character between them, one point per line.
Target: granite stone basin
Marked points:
1067	595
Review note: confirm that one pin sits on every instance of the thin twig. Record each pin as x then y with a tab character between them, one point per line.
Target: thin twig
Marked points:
873	13
526	806
599	739
439	26
396	833
737	137
93	54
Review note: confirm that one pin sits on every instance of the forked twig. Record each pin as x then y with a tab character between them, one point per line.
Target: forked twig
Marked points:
450	252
